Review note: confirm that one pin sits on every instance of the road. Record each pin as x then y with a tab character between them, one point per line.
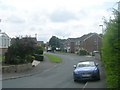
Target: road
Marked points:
58	76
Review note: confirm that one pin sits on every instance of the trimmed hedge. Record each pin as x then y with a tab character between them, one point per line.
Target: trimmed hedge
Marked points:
83	52
111	50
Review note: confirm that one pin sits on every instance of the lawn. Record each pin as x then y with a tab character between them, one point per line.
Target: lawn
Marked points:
53	58
2	58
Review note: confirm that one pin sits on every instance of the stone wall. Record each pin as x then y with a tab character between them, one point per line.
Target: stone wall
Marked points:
16	68
3	51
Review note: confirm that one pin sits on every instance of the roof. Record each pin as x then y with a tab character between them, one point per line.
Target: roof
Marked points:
82	38
3	34
85	37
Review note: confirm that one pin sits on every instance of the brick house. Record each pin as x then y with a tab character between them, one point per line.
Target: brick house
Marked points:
91	42
71	44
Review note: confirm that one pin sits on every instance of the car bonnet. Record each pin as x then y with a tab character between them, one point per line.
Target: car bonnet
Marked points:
85	69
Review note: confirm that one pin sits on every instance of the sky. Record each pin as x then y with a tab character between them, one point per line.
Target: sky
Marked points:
47	18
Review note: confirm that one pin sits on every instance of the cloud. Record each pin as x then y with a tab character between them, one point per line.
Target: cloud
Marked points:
15	19
62	16
5	6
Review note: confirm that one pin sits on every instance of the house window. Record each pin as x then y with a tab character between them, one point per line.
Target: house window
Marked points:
5	42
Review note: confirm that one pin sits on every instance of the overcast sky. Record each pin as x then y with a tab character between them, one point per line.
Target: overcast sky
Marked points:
62	18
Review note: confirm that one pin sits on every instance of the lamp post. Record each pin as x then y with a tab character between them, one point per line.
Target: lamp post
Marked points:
119	6
102	28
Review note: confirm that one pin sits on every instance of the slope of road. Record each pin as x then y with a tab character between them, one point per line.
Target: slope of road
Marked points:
58	76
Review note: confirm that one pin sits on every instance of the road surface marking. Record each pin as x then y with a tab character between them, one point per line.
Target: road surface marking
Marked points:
85	85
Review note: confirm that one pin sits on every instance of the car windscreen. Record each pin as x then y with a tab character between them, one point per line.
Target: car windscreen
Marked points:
86	64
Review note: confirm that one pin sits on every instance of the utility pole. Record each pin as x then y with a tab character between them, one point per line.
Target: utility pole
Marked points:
36	35
119	6
102	29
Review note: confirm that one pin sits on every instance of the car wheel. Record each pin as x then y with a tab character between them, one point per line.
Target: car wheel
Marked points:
98	77
75	80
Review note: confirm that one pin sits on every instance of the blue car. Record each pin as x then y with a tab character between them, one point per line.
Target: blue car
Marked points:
86	70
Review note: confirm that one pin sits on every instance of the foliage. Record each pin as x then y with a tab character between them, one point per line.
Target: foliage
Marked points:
22	50
110	51
39	50
54	42
29	58
83	52
2	58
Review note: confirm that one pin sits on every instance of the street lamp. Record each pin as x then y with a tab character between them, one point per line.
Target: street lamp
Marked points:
102	28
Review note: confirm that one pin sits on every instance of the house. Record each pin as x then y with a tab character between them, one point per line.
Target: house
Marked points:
71	44
40	43
4	42
90	42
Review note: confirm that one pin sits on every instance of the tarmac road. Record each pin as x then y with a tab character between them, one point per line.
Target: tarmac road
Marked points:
58	76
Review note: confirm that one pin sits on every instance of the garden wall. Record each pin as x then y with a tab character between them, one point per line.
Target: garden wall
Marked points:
16	68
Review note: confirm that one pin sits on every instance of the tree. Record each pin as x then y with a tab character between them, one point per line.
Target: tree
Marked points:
21	51
54	42
111	50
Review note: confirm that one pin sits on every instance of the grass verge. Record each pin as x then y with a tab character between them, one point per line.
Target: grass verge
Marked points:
2	58
53	58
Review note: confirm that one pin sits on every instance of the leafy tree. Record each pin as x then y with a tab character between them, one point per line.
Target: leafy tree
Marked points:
21	51
111	50
54	42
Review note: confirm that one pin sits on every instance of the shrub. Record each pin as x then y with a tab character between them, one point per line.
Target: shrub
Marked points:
20	51
83	52
111	50
39	50
30	58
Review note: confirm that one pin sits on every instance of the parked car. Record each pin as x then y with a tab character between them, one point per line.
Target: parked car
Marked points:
86	70
38	57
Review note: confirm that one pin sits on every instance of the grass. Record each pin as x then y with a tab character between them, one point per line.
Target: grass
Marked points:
53	58
2	58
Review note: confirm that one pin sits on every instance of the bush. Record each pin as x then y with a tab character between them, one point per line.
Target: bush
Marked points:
39	50
111	50
20	51
30	58
12	59
83	52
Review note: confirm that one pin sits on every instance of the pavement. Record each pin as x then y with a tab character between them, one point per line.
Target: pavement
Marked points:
35	70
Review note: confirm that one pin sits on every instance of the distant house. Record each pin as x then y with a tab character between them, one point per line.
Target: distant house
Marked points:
71	45
4	42
90	42
40	43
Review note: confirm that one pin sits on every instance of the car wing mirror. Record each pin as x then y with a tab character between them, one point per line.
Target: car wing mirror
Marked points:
74	66
97	64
